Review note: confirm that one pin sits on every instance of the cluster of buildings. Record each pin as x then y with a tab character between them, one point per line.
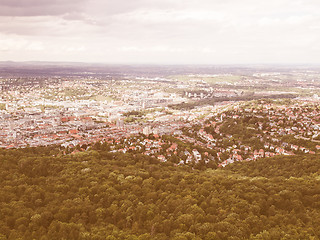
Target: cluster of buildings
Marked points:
274	128
267	130
75	111
158	146
79	112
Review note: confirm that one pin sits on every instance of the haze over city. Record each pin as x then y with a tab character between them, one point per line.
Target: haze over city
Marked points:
159	119
161	31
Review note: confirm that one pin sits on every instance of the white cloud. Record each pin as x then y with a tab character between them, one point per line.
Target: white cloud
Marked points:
163	31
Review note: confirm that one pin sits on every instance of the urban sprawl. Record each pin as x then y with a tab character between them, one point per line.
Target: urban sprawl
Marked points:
148	116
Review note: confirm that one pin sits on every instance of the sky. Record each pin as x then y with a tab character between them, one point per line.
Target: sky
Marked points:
161	31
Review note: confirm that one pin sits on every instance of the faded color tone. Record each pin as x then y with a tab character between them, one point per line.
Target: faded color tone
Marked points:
161	31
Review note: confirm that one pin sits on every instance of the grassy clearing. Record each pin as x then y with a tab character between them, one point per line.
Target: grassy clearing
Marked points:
101	98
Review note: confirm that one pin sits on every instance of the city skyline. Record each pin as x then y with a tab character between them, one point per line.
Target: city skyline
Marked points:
161	32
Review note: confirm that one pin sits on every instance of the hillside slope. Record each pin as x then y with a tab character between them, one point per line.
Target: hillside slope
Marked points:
98	195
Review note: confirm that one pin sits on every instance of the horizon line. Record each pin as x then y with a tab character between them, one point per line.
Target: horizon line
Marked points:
160	64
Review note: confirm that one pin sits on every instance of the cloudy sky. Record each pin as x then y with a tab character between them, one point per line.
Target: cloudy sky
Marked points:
161	31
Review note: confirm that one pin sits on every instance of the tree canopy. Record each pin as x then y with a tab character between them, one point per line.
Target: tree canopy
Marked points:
47	194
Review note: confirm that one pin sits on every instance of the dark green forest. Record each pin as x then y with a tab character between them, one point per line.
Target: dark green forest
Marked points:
47	194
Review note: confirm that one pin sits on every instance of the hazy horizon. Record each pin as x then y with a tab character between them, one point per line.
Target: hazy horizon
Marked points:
163	32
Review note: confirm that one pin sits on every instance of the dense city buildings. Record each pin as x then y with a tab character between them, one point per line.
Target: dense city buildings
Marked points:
211	118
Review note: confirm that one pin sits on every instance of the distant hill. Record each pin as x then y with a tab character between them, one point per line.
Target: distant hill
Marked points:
34	68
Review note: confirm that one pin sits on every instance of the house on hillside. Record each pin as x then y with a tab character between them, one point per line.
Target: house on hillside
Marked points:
197	155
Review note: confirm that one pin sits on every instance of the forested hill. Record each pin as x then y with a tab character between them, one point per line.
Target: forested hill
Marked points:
45	194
